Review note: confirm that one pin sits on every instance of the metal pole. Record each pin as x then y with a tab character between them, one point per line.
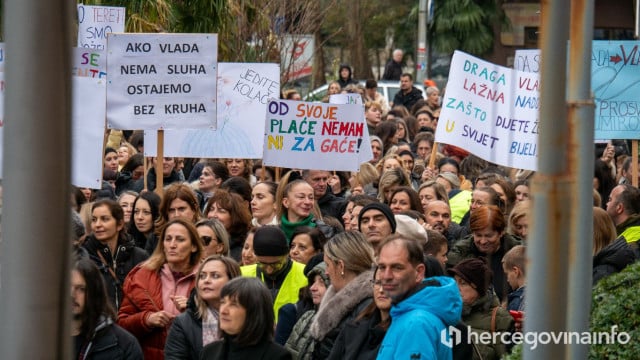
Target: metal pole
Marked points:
548	246
34	296
421	53
581	132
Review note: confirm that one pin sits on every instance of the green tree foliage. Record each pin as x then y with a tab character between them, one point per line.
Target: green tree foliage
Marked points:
466	25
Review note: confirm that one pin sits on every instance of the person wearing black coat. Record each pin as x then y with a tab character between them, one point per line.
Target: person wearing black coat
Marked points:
115	255
612	259
246	299
94	333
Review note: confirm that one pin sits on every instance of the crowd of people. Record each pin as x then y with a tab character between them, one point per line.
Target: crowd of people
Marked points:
234	261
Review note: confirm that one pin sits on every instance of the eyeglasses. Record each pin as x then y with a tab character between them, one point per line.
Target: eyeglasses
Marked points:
275	266
206	239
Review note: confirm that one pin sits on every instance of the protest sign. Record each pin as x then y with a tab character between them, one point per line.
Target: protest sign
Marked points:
95	22
491	111
316	136
615	81
243	92
89	63
365	153
162	81
87	130
527	60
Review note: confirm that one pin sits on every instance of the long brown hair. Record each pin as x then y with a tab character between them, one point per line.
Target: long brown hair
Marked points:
158	257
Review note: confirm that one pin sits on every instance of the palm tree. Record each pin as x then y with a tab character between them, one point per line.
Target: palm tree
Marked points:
466	25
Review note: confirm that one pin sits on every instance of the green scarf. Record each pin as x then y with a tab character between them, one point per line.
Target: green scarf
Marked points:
289	227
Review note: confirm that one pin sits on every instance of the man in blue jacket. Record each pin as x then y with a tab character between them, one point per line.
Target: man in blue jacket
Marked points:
423	308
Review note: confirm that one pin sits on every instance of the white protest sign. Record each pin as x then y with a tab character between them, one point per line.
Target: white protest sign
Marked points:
88	113
95	22
243	92
1	122
491	111
318	136
527	60
297	55
89	63
1	56
366	153
162	81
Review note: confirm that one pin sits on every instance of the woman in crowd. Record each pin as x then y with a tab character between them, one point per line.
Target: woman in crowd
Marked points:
300	342
489	241
362	182
214	237
126	200
248	256
179	200
110	160
157	290
401	131
246	323
388	162
349	257
241	168
125	152
519	220
388	181
213	174
521	188
230	210
131	175
296	204
198	325
146	211
305	243
610	253
404	198
386	131
111	248
430	191
377	149
481	309
263	204
361	338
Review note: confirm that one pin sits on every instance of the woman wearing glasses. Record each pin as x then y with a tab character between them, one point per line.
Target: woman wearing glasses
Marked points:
215	237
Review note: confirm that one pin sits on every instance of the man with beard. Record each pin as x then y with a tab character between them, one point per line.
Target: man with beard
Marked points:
438	218
282	276
95	334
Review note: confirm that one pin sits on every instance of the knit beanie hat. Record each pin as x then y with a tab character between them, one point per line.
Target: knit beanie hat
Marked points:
474	271
270	241
384	209
451	178
319	269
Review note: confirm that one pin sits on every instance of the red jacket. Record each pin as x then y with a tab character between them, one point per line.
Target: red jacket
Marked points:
142	297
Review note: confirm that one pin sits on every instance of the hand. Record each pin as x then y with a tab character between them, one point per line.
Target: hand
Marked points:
180	302
608	153
428	174
159	319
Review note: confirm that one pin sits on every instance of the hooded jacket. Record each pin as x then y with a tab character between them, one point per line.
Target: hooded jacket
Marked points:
612	259
479	317
423	315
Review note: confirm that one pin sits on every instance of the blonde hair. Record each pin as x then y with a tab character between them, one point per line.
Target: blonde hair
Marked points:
353	249
515	257
389	179
520	210
380	164
604	231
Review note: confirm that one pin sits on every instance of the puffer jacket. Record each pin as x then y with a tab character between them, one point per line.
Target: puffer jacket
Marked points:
612	259
300	342
110	342
142	297
185	335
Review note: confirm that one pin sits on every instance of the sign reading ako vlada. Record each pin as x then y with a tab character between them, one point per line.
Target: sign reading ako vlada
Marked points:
162	81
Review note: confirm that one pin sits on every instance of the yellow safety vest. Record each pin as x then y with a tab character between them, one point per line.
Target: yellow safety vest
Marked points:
290	288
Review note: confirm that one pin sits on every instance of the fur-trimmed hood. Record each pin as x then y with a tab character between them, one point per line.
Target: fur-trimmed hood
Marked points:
335	306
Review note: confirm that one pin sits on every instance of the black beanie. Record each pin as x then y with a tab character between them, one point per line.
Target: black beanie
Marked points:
270	241
384	208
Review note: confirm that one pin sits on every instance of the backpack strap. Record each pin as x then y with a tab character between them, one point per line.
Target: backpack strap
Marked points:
493	319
